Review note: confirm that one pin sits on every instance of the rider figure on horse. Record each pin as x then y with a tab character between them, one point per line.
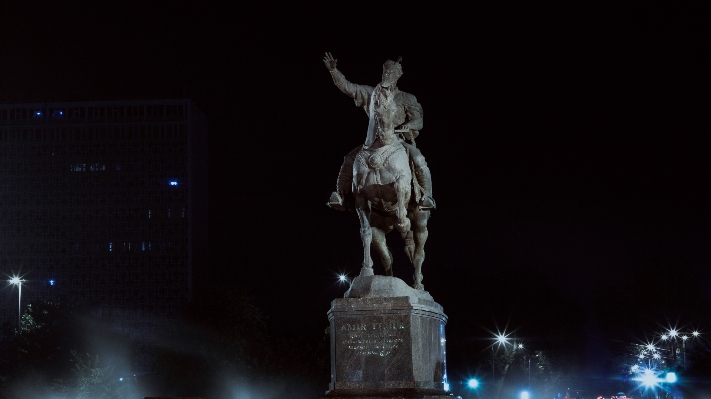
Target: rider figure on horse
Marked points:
408	122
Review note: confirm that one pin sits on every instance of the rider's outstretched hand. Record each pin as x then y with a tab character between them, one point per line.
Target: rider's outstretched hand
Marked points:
330	62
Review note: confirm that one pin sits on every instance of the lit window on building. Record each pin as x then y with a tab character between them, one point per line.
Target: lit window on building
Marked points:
78	167
111	247
173	182
58	114
95	167
149	214
37	114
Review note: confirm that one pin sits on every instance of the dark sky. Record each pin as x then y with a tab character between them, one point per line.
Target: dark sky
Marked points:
566	143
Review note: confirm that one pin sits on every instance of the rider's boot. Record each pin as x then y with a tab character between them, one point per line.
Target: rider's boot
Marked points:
424	179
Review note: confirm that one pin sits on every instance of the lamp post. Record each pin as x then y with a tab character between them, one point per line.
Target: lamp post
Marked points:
501	339
18	282
671	335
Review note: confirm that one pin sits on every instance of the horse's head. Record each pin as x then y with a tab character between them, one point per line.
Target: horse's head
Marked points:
384	110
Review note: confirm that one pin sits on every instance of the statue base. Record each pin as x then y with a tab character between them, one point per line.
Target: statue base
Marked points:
387	341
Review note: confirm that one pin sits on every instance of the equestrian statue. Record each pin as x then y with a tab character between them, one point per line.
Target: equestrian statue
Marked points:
386	180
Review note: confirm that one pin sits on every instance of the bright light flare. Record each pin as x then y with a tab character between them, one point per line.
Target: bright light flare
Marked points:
524	395
473	383
684	337
671	378
502	339
673	333
665	337
16	280
520	346
648	378
695	333
651	347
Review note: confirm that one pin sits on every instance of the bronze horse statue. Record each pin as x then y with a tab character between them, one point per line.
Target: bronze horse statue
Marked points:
386	195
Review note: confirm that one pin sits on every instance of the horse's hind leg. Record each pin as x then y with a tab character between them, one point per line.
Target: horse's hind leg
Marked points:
366	234
381	247
419	227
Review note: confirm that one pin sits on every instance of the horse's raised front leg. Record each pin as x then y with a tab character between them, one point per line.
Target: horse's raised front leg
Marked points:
402	190
366	234
381	247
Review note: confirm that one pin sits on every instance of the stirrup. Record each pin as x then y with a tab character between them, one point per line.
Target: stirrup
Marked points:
336	202
427	203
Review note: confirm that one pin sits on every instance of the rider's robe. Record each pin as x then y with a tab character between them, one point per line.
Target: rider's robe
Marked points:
408	110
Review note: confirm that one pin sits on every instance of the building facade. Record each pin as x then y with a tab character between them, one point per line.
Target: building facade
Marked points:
103	203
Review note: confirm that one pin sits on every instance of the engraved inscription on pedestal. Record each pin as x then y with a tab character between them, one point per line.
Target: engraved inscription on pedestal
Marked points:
372	346
379	339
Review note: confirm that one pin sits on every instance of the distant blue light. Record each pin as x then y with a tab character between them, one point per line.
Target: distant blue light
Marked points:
473	383
51	282
173	183
671	377
446	387
524	395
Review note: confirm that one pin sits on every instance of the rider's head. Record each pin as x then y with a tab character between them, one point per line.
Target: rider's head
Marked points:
391	73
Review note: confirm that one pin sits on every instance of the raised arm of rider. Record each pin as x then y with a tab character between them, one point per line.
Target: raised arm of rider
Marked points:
359	93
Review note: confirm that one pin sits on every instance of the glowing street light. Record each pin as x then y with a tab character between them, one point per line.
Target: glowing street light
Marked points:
473	383
15	280
671	377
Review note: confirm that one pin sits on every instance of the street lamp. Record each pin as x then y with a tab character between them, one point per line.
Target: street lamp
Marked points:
501	339
672	334
15	280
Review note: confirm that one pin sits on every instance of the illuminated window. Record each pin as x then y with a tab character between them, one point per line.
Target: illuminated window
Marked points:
37	114
111	247
149	214
173	182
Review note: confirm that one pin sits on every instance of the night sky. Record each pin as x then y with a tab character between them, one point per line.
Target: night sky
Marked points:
566	143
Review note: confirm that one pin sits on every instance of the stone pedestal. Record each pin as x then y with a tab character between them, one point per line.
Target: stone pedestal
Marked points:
387	341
